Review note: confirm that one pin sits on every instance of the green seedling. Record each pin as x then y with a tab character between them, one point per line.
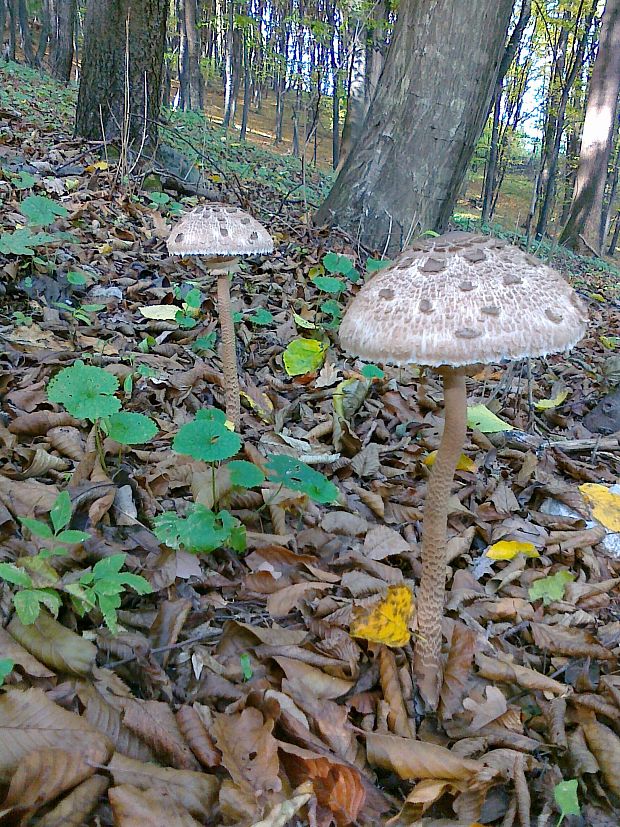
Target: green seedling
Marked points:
565	795
6	667
55	530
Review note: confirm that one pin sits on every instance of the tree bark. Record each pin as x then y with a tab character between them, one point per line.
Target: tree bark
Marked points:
191	75
432	98
12	7
583	229
22	11
2	21
61	51
44	34
111	26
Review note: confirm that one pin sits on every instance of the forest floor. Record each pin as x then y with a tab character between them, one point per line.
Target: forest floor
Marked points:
266	683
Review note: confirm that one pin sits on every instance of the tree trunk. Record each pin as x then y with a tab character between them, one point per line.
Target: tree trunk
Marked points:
2	21
192	83
507	58
44	34
110	26
428	111
584	226
356	92
229	69
61	51
22	11
247	92
12	7
614	239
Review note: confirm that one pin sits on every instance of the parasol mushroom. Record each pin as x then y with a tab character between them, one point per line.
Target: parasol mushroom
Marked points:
222	233
450	303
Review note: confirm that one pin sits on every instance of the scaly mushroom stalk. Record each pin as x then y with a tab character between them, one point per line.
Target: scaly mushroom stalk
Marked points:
229	351
427	663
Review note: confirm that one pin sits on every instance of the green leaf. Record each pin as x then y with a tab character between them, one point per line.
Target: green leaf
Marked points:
13	574
6	667
565	794
201	531
245	474
550	588
335	263
131	428
87	392
37	528
41	211
108	605
29	601
303	356
296	475
24	181
22	242
76	278
246	666
108	566
204	342
374	264
330	285
168	529
60	513
72	536
333	309
260	317
481	418
207	437
372	372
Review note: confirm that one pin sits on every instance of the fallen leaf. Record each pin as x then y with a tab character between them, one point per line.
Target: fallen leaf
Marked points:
160	312
413	760
75	809
387	621
249	750
54	645
508	550
605	504
133	807
488	710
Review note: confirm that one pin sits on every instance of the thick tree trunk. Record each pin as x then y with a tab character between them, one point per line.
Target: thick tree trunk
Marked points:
110	26
583	230
61	52
427	113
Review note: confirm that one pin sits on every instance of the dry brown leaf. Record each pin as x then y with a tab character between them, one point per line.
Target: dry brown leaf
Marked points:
576	643
282	813
282	602
198	737
155	724
398	720
41	776
306	678
67	441
196	791
458	669
494	669
12	650
29	721
75	809
249	750
605	746
344	523
108	720
382	541
488	710
133	807
425	794
40	422
522	792
581	758
414	760
54	644
27	498
337	786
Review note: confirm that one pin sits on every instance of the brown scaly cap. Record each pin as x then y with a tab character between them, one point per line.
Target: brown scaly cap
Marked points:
461	299
218	230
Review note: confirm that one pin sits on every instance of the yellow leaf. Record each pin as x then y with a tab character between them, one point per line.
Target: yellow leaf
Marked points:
161	312
508	550
387	621
105	249
547	404
98	165
605	504
464	463
305	323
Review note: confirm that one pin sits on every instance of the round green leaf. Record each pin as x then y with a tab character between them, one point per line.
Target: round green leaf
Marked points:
329	284
87	392
372	372
296	475
131	428
207	438
245	474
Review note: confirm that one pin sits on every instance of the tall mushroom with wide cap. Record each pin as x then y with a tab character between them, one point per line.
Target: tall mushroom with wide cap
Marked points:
450	303
222	233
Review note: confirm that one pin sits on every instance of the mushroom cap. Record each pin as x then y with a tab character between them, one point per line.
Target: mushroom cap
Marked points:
462	299
218	230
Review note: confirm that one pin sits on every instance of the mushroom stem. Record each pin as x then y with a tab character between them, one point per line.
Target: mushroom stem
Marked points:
229	351
427	661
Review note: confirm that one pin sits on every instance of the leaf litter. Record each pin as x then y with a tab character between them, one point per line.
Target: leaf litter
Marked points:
253	667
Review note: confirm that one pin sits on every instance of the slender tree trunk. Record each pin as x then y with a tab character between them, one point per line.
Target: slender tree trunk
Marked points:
2	20
356	92
507	59
428	111
61	53
26	36
192	84
610	197
583	228
229	68
616	234
247	92
44	34
110	26
12	7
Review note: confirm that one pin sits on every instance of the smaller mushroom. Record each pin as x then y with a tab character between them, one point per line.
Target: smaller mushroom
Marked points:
222	233
461	301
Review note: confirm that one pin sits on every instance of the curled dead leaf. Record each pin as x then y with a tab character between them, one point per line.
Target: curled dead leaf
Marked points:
414	760
75	809
54	645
